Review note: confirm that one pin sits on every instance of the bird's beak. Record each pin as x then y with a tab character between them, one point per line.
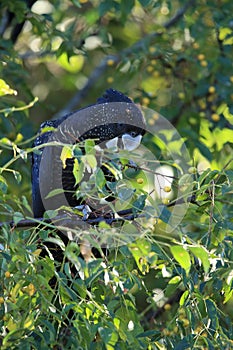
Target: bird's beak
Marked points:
131	143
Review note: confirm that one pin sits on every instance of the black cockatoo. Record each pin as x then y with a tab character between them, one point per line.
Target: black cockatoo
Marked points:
113	119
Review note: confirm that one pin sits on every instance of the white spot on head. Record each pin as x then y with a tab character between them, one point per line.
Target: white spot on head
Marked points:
112	143
131	143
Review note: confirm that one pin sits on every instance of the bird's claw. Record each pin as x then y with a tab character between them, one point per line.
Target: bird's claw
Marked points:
85	210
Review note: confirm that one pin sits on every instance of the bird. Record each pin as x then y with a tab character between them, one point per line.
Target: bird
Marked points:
114	119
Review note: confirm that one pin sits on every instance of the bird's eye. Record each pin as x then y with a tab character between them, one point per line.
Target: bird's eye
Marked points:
133	133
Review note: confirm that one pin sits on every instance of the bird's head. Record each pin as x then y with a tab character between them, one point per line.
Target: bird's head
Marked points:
115	121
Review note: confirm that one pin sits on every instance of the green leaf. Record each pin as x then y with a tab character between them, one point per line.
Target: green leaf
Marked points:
124	194
5	89
54	192
140	251
89	146
77	152
212	174
226	113
181	256
91	160
172	286
106	6
145	3
226	35
183	344
139	204
223	136
100	178
49	214
224	32
47	128
184	297
76	3
72	64
228	292
3	184
203	255
78	171
150	333
57	241
207	176
126	6
186	184
6	141
175	280
202	197
204	150
212	314
66	153
105	334
17	217
165	214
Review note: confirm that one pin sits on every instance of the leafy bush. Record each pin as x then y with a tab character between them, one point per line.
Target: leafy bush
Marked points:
171	286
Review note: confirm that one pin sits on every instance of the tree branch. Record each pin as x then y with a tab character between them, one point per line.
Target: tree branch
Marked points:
4	22
73	219
99	70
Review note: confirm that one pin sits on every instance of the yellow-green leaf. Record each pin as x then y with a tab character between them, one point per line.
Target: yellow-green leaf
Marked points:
72	64
78	169
184	297
5	89
66	153
91	160
182	257
175	280
201	254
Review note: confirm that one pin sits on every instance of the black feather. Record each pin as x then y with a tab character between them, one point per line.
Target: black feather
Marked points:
102	133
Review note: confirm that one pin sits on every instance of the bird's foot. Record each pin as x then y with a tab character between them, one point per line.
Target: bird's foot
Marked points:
84	209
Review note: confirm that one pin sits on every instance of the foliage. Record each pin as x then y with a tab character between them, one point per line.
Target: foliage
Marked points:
170	287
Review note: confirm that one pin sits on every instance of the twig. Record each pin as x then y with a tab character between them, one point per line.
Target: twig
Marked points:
191	199
76	220
212	191
72	218
4	22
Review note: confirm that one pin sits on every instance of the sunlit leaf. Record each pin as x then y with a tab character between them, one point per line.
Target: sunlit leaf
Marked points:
91	160
66	153
175	280
100	178
140	250
89	146
5	89
181	256
78	171
184	297
72	64
203	255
